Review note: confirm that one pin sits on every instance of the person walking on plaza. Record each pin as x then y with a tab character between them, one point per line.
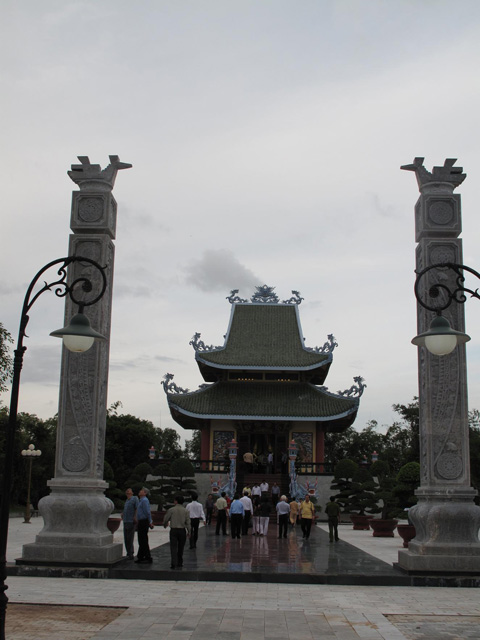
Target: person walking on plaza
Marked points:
283	511
180	526
221	506
128	517
265	507
248	460
236	516
195	511
248	512
333	512
293	512
256	516
209	504
144	523
307	515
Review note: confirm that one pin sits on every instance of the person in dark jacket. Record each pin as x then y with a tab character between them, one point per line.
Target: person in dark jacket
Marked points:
333	512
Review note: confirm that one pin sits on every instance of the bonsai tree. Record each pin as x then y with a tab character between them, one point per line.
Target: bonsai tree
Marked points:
137	479
161	486
407	480
183	477
113	492
362	497
385	489
344	472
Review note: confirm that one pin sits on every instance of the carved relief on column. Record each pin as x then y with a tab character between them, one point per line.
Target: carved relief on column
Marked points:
442	380
82	412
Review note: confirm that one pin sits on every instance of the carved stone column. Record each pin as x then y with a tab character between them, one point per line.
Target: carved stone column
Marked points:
76	511
446	519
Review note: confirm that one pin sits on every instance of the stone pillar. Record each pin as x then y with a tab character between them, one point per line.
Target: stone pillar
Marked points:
76	511
320	447
446	519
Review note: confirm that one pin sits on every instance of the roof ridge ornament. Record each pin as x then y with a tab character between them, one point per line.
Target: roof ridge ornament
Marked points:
172	387
328	347
199	345
264	294
295	299
355	389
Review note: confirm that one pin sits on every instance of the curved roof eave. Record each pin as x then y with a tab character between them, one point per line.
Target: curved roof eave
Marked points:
248	367
203	416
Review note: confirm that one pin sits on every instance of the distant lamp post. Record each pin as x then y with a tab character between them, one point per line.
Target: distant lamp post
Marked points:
78	336
151	452
441	339
30	453
374	456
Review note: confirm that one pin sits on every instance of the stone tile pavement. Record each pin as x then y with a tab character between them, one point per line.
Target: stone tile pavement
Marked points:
258	611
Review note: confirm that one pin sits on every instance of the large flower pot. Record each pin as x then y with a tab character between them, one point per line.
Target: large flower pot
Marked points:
383	528
113	523
360	523
406	532
157	517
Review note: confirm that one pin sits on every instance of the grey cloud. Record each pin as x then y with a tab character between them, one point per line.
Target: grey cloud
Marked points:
42	366
142	361
386	211
220	270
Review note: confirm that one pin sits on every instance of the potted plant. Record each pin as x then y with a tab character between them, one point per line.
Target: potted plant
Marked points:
384	526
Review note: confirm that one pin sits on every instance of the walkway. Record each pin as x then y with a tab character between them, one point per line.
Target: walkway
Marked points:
250	611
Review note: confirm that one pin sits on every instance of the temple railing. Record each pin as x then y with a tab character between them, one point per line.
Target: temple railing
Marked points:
302	468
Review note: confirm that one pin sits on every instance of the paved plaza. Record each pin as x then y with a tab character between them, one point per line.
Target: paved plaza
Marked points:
207	610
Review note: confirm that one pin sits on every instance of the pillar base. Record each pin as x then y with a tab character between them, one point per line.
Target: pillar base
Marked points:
447	523
75	525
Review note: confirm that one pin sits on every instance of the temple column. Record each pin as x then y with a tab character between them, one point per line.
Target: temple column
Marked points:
446	519
76	511
205	443
320	447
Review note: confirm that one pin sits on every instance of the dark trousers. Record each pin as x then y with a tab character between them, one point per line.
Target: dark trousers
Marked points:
283	525
306	526
246	522
195	522
128	536
333	528
236	524
221	521
208	516
178	538
143	552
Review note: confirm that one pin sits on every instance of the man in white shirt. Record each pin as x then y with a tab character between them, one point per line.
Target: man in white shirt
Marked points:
256	491
264	487
283	512
195	511
248	512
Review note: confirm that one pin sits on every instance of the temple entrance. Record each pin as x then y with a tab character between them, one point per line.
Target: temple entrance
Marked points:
261	442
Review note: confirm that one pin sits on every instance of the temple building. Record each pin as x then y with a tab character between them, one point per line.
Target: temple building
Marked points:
264	387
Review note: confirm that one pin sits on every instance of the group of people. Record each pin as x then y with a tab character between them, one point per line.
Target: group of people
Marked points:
252	510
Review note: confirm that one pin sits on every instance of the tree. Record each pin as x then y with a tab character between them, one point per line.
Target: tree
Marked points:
192	446
42	433
6	362
407	480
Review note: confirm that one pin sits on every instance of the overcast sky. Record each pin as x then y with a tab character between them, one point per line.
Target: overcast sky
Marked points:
266	139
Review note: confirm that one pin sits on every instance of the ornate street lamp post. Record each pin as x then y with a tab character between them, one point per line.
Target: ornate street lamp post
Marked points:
29	453
78	336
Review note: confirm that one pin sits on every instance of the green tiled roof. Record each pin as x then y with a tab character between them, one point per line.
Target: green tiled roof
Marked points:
264	400
266	336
